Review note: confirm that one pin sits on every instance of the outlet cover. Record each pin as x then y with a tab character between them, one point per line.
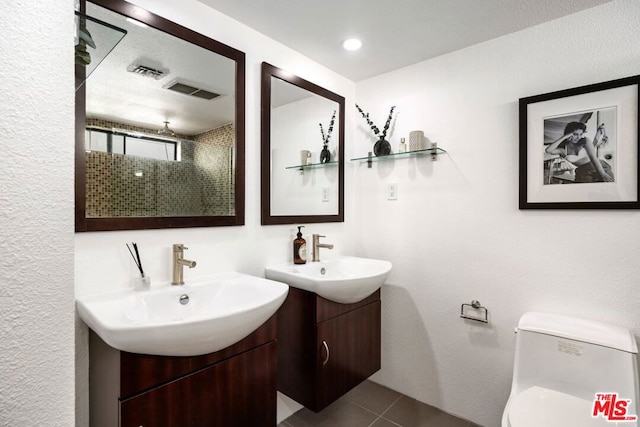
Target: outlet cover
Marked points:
392	191
325	194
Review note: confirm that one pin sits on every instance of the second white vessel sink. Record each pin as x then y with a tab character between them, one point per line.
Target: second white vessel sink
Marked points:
200	317
345	279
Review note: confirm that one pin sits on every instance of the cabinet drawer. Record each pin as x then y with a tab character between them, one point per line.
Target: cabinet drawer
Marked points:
211	396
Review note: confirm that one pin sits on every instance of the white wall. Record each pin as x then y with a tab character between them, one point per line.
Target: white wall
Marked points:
36	215
455	233
102	262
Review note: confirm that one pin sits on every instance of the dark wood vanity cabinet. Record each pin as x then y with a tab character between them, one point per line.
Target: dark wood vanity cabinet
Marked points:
326	348
232	387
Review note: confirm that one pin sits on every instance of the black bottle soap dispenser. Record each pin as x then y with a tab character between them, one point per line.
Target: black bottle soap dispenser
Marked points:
299	248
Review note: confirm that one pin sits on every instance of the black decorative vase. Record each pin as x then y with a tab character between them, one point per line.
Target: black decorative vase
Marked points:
381	147
325	155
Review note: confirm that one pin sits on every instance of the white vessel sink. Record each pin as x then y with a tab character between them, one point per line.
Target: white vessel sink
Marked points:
222	310
345	279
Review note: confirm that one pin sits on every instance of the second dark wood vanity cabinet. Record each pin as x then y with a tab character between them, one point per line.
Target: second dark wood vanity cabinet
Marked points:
326	348
233	387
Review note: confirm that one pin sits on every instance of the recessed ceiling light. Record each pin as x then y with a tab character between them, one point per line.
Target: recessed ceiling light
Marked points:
352	44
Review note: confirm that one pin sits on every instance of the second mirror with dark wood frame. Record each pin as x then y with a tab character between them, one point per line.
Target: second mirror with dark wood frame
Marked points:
133	170
302	158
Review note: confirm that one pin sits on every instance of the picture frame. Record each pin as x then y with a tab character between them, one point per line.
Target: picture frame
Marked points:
579	147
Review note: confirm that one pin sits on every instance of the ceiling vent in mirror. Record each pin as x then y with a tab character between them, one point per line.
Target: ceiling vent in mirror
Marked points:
188	89
146	71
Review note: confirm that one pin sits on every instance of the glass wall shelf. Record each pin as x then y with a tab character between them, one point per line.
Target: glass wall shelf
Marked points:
103	36
313	165
433	151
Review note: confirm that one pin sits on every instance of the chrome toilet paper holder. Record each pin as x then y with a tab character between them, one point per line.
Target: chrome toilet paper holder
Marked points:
475	304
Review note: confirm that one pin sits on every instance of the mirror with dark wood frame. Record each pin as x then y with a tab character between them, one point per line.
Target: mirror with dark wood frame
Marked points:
160	125
302	157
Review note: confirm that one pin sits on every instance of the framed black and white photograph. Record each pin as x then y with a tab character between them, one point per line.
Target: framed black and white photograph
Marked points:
579	147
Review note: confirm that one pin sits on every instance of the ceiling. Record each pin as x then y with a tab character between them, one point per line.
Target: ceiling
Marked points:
115	94
395	33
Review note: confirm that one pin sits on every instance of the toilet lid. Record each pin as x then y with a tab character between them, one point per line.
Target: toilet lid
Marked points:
538	406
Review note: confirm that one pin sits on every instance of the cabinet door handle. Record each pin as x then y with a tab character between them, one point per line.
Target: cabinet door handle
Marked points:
326	348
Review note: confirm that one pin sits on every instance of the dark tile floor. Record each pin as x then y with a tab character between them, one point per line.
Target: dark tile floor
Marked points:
372	405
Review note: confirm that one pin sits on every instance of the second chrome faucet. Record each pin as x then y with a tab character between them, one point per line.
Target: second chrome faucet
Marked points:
178	263
317	245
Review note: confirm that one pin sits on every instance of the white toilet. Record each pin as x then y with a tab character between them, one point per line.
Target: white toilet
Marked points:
561	363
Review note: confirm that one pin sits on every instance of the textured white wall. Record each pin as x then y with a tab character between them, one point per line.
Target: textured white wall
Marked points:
36	215
455	233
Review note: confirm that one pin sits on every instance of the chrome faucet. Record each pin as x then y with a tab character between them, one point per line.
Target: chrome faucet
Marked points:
317	245
178	263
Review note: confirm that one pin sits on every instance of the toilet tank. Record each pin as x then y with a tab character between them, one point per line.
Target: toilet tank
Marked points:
575	356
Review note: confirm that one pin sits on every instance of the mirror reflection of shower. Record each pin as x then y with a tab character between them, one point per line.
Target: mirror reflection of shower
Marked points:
133	172
160	132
